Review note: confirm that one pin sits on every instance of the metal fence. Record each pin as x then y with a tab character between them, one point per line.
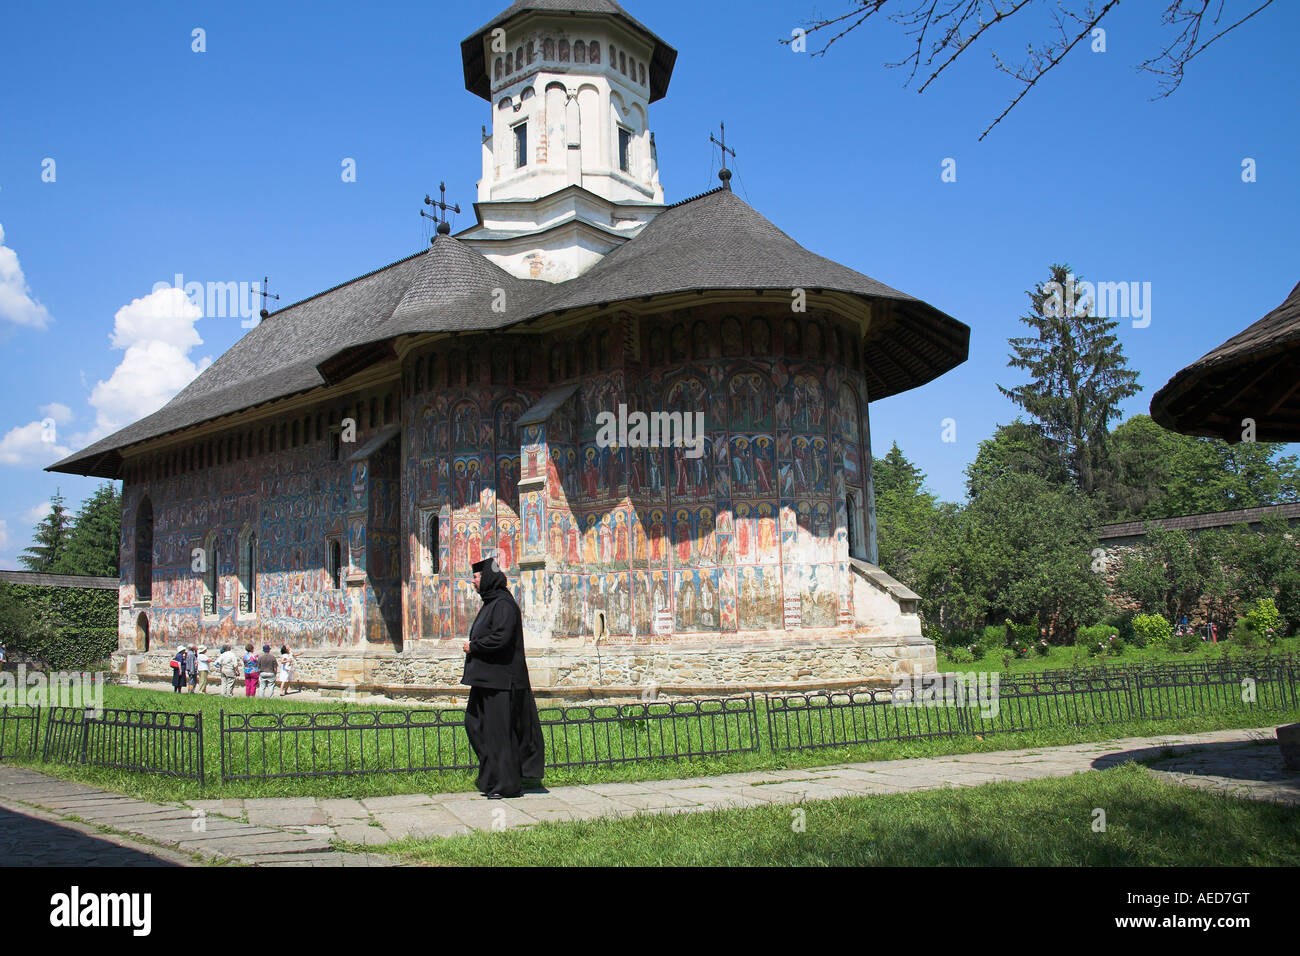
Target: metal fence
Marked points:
948	707
337	743
147	741
19	730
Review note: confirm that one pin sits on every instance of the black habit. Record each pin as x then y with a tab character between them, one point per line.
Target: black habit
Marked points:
501	717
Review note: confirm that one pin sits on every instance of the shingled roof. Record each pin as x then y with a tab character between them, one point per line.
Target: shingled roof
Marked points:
478	82
714	242
1255	375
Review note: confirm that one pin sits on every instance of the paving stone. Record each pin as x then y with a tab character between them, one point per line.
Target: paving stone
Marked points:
359	833
292	816
339	810
397	802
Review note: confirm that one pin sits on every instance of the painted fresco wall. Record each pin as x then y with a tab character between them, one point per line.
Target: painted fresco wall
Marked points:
749	539
292	499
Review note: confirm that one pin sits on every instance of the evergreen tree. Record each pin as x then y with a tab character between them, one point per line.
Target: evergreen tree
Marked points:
93	546
1019	448
905	513
1078	375
50	539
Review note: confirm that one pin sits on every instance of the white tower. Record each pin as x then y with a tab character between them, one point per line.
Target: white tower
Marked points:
569	166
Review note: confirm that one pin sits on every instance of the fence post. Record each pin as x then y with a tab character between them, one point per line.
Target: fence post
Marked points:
85	736
202	766
221	740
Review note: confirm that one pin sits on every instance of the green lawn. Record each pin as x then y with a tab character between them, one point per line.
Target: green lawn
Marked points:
166	789
1070	656
1149	822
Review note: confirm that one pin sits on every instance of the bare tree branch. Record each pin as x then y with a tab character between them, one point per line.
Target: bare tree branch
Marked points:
940	31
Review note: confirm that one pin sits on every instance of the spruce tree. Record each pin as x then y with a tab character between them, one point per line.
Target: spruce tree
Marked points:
1078	375
94	543
50	539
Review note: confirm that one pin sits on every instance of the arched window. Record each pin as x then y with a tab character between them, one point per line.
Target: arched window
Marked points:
622	62
548	49
336	564
579	51
510	63
530	53
144	551
247	572
641	70
519	58
496	69
594	51
142	633
388	409
613	57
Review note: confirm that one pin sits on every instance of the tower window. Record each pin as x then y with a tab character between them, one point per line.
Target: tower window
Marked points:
521	145
624	150
433	544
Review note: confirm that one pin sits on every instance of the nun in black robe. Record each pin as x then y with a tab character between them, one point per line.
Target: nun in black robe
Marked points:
501	717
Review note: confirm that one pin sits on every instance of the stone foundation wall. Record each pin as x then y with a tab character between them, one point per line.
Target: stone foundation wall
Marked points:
584	672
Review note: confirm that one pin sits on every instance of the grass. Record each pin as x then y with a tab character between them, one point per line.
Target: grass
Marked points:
1071	656
1149	822
167	789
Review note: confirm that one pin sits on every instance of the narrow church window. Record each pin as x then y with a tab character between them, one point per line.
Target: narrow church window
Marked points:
519	58
579	52
792	343
144	551
521	145
852	511
641	69
388	409
433	544
622	62
496	69
510	63
336	443
624	149
336	564
210	579
613	58
530	53
548	49
594	51
471	368
248	572
374	412
523	364
557	361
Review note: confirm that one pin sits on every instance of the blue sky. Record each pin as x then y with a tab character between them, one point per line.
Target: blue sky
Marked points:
225	166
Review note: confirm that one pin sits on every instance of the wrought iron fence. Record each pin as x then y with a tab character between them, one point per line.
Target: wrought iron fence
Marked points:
147	741
19	730
337	743
1026	702
334	743
653	730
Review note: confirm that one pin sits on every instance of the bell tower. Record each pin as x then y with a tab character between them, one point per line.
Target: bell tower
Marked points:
569	163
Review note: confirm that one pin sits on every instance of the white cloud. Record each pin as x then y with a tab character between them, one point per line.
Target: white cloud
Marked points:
31	446
61	414
16	302
35	514
157	332
4	534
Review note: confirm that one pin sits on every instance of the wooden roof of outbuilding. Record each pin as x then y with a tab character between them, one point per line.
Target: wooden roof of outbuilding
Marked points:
1254	375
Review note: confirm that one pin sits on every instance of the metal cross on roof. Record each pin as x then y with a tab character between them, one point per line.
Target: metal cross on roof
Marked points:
724	173
266	294
441	205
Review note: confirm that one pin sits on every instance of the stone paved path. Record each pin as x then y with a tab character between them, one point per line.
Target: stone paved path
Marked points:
297	831
47	820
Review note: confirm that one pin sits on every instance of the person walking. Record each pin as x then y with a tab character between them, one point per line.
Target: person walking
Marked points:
204	665
192	666
251	671
501	717
178	670
266	672
285	674
229	666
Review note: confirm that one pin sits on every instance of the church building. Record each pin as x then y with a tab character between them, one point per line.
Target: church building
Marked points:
329	480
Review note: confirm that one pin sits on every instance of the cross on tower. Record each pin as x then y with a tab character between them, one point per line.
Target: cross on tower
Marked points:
266	294
442	207
724	173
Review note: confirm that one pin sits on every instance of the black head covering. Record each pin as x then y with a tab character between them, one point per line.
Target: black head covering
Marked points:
491	579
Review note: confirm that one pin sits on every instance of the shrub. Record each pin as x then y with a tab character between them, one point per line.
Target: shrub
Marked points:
1018	634
961	655
1042	647
1115	646
1153	629
1264	617
1121	625
1091	636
